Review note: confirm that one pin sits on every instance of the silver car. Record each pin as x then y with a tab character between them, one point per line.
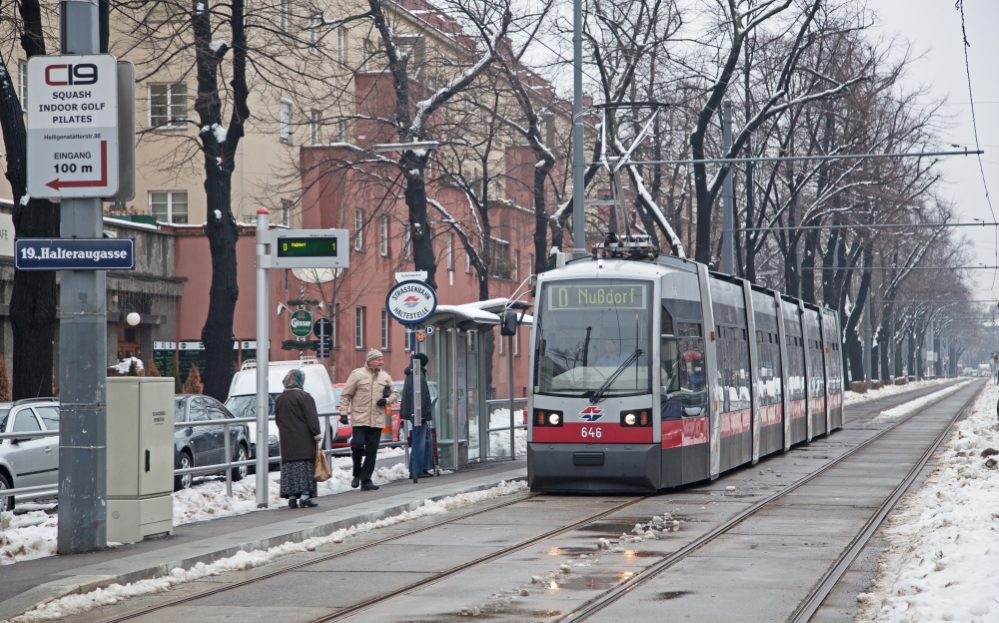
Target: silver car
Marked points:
28	462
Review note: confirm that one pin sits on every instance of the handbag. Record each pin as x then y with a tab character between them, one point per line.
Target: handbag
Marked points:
321	471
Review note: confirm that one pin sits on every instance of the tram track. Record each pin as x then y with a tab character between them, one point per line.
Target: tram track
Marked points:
817	595
446	573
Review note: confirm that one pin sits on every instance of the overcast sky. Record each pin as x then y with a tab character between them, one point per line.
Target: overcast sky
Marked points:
933	27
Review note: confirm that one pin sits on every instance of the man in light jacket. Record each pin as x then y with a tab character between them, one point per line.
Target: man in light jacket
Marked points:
367	391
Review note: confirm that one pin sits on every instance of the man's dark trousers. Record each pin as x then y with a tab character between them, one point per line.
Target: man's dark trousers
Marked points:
364	445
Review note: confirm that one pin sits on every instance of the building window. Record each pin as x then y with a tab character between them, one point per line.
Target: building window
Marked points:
516	345
314	24
384	231
22	83
358	230
468	261
315	117
335	320
407	335
285	212
341	131
283	15
169	206
501	341
284	118
167	106
449	262
386	343
407	243
341	45
359	328
516	266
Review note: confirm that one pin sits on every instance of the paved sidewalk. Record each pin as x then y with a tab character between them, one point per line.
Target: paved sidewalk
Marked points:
28	583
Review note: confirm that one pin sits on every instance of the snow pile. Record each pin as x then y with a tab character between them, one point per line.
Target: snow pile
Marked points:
852	398
28	536
122	366
75	604
912	406
939	565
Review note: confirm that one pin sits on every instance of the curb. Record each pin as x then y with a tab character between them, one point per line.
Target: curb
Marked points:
158	564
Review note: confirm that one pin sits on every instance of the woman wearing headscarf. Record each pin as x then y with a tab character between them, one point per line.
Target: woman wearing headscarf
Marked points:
299	432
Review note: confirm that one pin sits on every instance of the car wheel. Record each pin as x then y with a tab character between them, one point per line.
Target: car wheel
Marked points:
6	503
183	481
240	472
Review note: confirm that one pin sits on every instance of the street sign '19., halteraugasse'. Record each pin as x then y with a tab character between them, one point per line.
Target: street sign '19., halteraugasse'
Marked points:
72	127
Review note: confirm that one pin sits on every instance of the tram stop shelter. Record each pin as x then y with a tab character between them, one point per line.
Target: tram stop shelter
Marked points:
470	427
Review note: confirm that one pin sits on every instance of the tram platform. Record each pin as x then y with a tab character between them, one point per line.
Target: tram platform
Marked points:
28	583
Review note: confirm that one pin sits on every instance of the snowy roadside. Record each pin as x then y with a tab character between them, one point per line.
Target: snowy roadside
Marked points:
33	534
852	398
907	408
75	604
939	564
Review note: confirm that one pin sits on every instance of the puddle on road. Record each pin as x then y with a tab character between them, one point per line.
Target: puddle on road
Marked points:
592	581
672	595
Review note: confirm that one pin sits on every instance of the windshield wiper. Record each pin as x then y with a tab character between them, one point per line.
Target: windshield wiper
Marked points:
598	395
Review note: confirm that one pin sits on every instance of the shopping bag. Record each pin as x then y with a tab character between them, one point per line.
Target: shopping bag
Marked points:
322	471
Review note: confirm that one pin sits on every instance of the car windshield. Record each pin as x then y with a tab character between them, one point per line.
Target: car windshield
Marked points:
589	331
3	419
178	409
246	405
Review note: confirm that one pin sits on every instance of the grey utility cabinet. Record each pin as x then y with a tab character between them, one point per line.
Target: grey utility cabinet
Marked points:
140	457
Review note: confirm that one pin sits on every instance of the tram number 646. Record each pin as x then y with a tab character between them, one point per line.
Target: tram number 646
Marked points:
593	431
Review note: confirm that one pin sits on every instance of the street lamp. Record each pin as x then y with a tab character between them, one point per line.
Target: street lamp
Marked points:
133	319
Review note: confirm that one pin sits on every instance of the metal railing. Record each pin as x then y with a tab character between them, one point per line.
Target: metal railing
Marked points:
52	491
519	406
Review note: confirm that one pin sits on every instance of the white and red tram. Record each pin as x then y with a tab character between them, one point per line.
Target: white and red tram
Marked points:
652	373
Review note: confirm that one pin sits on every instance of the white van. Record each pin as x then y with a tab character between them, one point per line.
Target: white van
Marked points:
242	399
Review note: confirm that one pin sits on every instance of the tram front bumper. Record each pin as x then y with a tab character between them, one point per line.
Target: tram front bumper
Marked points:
593	468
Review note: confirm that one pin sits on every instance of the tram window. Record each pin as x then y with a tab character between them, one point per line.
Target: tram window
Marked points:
689	329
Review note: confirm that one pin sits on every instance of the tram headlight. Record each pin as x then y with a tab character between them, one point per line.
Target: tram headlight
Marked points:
547	417
637	417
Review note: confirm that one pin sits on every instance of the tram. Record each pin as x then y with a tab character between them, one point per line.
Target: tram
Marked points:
650	372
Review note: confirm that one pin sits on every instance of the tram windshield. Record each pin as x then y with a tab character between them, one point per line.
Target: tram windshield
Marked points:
593	339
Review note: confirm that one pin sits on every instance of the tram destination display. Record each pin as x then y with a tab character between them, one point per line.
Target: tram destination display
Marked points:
618	296
310	248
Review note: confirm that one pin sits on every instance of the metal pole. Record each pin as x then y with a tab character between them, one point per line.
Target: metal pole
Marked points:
263	346
417	394
509	348
578	194
868	343
728	194
931	355
83	335
228	454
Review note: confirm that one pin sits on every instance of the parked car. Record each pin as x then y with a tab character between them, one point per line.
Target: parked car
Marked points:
242	399
205	445
28	462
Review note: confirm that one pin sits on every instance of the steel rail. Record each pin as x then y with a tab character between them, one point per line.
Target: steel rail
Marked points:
300	565
814	601
612	595
442	575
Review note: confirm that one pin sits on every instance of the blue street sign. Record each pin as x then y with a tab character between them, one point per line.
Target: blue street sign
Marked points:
74	254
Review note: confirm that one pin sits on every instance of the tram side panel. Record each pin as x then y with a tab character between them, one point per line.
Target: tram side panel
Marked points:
798	409
834	368
731	390
816	370
684	421
767	375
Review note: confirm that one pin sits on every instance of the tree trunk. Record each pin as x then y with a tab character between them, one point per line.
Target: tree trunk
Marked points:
34	296
416	201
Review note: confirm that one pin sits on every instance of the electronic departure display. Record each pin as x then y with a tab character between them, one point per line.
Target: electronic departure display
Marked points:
307	247
619	296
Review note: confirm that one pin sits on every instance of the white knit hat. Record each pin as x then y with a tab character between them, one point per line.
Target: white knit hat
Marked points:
374	353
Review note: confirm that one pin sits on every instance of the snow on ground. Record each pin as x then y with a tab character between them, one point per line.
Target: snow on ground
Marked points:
75	604
907	408
27	536
940	564
33	534
852	398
